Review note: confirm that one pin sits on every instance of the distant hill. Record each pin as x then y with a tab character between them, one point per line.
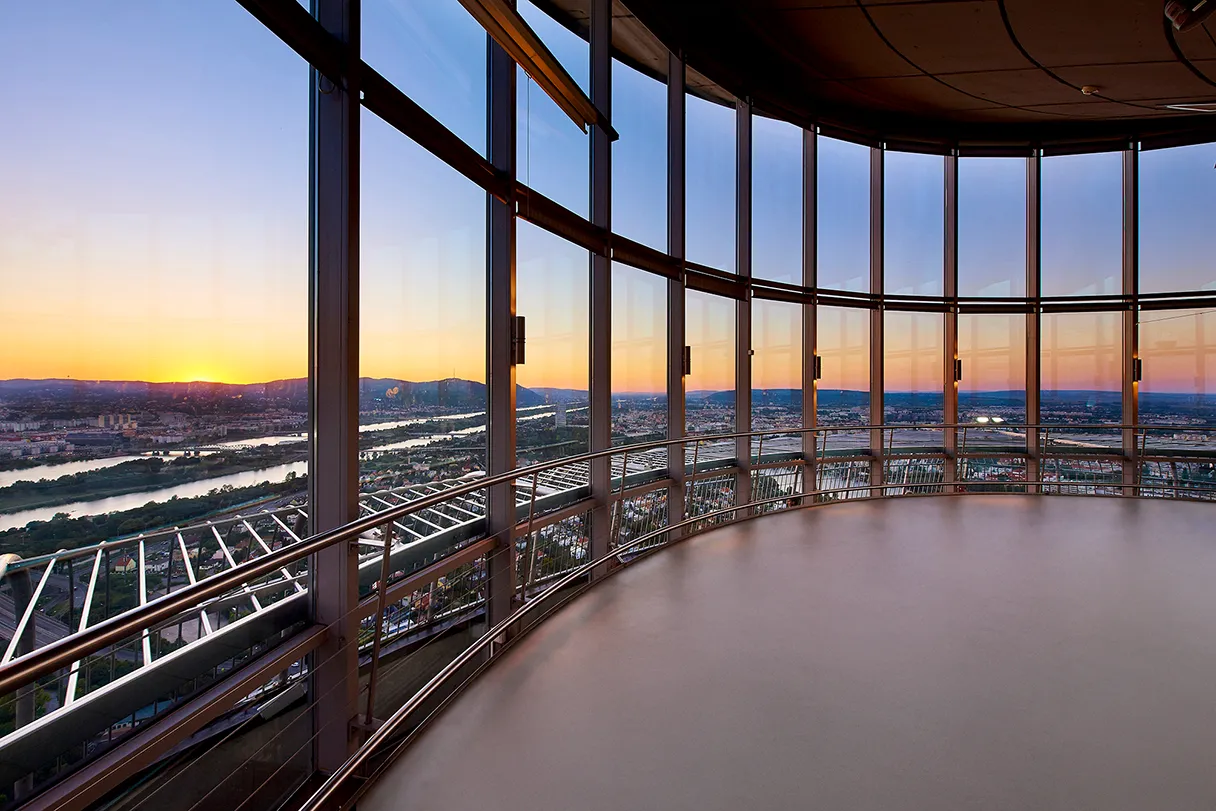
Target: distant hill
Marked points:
453	392
560	395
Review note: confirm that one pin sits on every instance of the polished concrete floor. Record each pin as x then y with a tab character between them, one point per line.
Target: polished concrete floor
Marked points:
979	652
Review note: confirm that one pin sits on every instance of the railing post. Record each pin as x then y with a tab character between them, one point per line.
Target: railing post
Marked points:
334	385
381	599
530	544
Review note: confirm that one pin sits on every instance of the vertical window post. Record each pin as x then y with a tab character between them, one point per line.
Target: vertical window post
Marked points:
743	307
333	482
810	342
950	334
1034	466
1131	314
500	303
675	287
876	315
601	277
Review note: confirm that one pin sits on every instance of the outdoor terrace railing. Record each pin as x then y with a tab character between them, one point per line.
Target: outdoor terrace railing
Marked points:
225	602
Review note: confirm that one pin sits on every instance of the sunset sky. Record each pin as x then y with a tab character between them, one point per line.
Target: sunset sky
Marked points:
154	213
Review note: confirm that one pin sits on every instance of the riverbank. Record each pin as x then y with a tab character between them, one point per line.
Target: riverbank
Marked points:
140	475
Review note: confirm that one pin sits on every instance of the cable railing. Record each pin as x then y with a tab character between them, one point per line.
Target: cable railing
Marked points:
220	596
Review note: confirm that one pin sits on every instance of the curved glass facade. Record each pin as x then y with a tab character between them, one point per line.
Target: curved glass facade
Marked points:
934	289
347	300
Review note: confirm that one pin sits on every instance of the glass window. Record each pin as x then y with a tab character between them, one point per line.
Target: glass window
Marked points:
912	368
776	364
435	53
993	351
1178	353
422	298
843	344
1080	372
914	223
155	259
1177	198
710	184
843	240
552	296
552	154
776	200
639	357
1082	224
992	227
710	389
639	157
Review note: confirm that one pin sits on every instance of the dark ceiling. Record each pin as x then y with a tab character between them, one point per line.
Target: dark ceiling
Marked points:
999	76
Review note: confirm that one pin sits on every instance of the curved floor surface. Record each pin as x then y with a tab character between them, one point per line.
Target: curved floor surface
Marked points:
983	652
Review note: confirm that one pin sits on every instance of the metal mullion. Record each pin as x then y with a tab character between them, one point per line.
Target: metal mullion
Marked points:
1034	323
334	379
1131	316
950	333
877	314
600	339
810	312
743	307
676	300
500	315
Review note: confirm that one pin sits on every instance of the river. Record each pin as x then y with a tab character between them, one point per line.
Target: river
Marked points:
275	473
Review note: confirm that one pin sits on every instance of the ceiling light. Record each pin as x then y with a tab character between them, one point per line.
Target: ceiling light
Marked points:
1200	107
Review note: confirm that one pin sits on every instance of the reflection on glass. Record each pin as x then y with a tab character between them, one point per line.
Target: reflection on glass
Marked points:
639	357
710	389
435	53
992	227
912	368
776	365
710	184
843	241
552	296
843	344
1081	379
153	242
992	349
639	157
776	200
914	223
1082	224
552	153
1178	353
1177	198
422	337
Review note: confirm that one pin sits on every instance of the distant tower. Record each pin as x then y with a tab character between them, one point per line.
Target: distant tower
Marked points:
559	419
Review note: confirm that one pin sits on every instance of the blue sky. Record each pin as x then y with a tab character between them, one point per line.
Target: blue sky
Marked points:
159	166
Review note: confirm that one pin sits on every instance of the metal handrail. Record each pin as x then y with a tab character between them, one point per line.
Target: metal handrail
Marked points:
70	649
496	635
